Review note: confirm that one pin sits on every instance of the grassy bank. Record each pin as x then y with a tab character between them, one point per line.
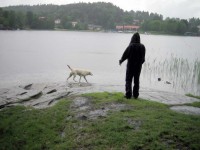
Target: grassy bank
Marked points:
194	96
195	104
143	125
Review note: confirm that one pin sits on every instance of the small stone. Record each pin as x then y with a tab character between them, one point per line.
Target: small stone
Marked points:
69	118
63	134
82	117
167	82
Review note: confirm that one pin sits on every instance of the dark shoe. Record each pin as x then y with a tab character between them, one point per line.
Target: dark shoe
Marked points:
127	97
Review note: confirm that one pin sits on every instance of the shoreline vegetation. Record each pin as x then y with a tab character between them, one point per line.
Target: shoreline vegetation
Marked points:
195	104
99	121
99	16
104	31
194	96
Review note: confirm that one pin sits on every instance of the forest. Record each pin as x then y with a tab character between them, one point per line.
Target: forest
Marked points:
106	15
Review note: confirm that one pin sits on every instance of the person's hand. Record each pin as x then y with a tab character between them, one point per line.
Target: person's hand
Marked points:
120	62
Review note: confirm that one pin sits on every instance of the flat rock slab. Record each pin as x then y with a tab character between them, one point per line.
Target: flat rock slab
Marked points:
166	97
42	95
186	110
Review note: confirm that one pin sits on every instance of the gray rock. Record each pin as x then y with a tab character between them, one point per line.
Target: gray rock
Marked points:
26	87
98	113
36	95
82	117
33	94
134	124
166	97
80	101
186	110
52	91
44	95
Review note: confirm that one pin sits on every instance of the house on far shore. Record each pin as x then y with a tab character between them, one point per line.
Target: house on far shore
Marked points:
41	18
94	27
57	21
127	28
74	23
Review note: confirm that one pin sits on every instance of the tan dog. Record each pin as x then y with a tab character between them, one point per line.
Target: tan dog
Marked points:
81	73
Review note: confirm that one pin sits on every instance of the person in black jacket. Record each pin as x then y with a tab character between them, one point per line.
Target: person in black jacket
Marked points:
135	54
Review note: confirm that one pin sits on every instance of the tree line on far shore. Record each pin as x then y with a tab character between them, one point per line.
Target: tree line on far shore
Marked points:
12	20
106	15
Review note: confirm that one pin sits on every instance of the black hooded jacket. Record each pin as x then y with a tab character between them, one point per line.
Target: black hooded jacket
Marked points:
135	53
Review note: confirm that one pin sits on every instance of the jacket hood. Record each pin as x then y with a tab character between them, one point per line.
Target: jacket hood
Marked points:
135	38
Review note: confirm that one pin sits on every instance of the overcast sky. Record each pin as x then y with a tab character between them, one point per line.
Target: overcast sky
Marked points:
183	9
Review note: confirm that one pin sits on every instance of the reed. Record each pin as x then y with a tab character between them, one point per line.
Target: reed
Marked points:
183	75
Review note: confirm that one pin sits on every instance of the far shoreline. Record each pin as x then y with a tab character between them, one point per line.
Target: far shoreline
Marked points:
107	31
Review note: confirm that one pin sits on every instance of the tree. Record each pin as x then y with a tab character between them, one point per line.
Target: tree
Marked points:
182	27
29	18
1	18
128	19
12	19
103	14
67	25
193	23
20	20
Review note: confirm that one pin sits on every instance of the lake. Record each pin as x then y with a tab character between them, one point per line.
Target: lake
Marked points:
43	56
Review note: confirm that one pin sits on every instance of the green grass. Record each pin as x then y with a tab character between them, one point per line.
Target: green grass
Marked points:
194	96
195	104
146	125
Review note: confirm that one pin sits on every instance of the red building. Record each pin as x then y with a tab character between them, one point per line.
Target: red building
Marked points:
127	28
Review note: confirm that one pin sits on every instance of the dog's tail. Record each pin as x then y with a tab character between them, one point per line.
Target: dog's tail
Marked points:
70	68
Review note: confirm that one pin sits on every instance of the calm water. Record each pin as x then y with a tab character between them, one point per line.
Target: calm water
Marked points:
43	56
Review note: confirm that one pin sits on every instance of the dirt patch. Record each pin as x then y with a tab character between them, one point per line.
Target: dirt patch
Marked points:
173	141
84	109
134	124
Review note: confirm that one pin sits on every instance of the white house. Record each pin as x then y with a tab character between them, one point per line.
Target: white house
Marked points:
57	21
74	23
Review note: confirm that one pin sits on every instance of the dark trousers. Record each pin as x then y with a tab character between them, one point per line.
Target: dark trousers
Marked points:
133	73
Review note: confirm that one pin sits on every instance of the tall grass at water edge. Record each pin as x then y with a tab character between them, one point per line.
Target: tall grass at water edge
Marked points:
183	75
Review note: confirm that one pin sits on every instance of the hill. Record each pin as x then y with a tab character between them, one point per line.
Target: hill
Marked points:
105	15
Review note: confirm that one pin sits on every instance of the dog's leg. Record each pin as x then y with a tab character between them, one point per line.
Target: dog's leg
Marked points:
69	76
85	79
74	78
